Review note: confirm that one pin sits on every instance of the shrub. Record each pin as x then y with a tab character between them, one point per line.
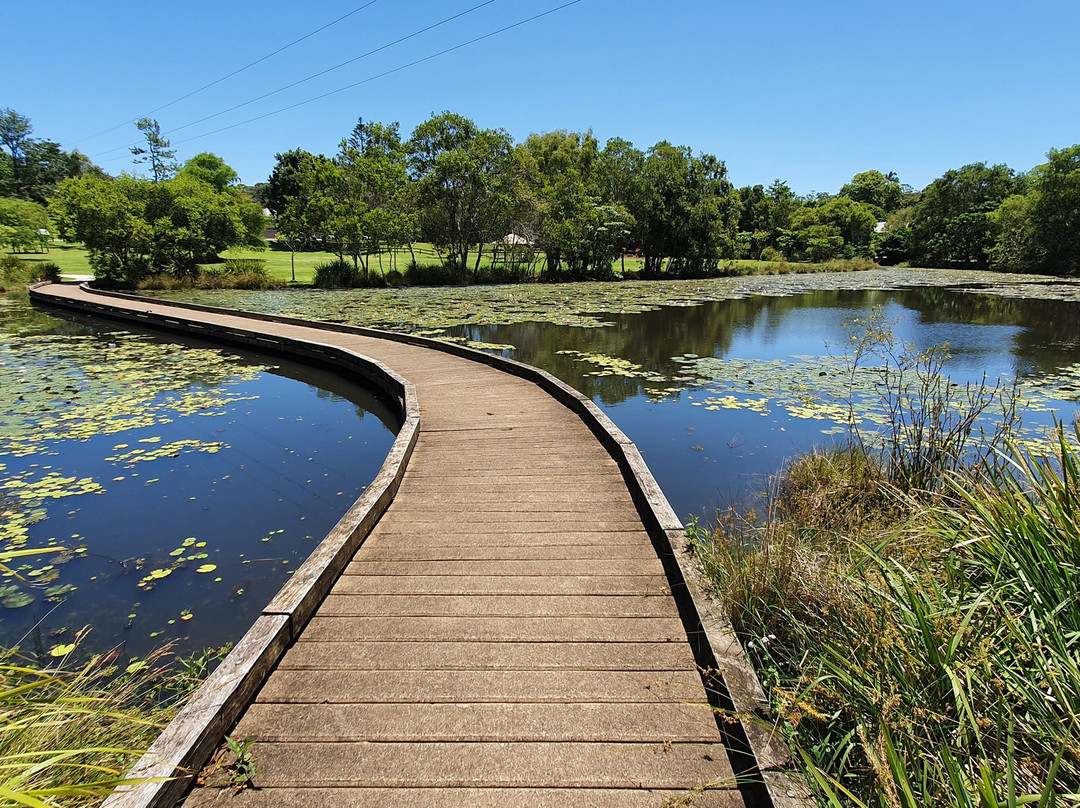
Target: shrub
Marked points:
238	266
445	274
337	274
771	254
12	268
47	271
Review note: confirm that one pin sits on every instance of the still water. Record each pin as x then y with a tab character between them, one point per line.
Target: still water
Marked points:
177	486
713	432
719	382
147	463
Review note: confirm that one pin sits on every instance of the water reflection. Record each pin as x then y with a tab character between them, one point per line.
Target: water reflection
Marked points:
703	459
194	516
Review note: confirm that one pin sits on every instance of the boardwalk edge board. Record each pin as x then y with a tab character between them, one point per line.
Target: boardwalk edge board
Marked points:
758	750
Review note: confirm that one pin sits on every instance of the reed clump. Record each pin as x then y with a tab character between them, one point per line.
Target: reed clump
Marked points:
917	626
68	734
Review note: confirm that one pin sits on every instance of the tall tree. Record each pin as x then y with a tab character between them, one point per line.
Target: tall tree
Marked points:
299	197
156	152
689	213
1055	212
953	223
15	131
369	189
472	184
574	223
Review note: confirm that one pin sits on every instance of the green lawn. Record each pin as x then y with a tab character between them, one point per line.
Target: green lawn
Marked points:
71	258
279	263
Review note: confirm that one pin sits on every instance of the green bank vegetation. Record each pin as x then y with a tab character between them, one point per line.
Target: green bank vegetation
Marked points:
69	734
910	599
559	206
16	275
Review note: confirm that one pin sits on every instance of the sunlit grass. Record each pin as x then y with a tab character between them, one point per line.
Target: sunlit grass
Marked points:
69	734
933	663
73	259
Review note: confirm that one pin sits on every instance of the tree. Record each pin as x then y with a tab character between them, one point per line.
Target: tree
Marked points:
107	215
369	190
972	192
471	182
1015	248
574	224
131	226
882	191
156	152
15	131
283	184
21	225
1055	212
297	196
688	213
211	169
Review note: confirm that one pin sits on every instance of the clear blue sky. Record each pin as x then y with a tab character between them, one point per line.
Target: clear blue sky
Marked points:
811	92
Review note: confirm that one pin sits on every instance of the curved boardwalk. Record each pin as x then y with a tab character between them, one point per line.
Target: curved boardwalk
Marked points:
506	635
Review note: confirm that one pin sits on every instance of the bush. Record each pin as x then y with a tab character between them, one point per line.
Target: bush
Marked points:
446	274
771	254
337	274
47	271
239	266
12	268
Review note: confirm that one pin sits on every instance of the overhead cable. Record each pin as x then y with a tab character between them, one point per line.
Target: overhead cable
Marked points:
315	75
233	73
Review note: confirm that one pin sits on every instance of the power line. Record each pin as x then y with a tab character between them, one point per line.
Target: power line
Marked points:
316	75
380	75
387	73
233	73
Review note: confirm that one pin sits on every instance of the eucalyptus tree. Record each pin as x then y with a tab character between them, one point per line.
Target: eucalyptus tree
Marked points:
472	185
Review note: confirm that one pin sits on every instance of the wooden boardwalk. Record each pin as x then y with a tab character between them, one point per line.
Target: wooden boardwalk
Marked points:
505	636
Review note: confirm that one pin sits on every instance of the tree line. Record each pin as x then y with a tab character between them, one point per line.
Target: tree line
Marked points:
558	200
583	206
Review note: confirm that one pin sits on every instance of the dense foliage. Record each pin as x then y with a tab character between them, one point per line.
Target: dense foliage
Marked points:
132	226
583	206
559	200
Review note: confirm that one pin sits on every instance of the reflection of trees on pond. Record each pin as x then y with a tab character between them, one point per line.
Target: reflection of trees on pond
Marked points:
650	339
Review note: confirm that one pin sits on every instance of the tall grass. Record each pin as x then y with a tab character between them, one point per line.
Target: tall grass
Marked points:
919	636
67	736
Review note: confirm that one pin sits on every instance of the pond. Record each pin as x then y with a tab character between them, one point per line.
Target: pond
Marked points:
175	486
719	381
